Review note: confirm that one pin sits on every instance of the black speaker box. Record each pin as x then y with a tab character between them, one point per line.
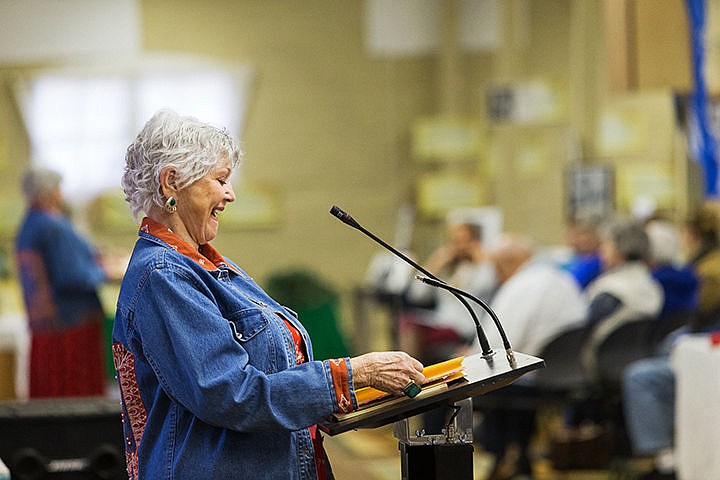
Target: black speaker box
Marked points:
63	439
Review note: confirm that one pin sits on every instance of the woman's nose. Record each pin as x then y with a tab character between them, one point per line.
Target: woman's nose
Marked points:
230	193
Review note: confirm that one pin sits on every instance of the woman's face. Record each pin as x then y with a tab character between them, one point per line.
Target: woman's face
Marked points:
199	204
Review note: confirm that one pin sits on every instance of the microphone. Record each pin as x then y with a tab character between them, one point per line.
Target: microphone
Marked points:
506	343
348	220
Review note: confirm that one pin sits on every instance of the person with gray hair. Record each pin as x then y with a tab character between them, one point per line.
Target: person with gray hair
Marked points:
40	184
217	378
60	273
626	288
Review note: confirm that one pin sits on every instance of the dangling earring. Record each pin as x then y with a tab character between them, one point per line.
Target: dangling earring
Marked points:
170	204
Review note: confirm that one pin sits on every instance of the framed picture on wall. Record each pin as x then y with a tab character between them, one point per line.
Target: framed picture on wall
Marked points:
589	191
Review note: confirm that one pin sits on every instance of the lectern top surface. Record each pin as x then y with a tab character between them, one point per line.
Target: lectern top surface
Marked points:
482	375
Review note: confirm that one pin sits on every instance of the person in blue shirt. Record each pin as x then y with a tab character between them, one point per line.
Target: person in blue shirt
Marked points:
679	282
583	237
60	273
217	378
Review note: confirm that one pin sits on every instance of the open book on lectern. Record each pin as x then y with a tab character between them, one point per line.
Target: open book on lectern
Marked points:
448	382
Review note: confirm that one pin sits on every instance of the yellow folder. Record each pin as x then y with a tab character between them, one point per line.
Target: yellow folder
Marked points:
443	372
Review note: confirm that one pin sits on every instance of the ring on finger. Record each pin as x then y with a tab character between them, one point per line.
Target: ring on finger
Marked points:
412	389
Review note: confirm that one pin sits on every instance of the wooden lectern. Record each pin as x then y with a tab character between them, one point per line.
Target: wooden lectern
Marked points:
447	455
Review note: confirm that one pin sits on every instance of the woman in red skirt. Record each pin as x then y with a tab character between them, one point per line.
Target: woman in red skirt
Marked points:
60	275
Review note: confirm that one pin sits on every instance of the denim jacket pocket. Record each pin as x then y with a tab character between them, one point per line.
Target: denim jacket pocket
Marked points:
252	329
248	323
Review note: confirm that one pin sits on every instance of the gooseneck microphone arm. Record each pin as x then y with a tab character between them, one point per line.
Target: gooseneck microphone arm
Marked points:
496	320
348	220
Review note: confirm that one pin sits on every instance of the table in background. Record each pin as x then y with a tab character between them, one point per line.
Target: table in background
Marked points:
14	356
696	362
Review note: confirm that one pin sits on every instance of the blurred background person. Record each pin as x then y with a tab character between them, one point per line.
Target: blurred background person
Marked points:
60	274
679	282
436	326
626	289
702	244
624	292
535	301
582	236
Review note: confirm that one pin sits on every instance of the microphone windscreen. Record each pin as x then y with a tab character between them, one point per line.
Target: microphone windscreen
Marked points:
337	212
344	216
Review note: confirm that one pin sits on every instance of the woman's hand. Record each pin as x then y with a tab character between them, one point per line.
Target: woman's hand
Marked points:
386	371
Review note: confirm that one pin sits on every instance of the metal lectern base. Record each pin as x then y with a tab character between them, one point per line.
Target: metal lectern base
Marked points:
446	455
436	462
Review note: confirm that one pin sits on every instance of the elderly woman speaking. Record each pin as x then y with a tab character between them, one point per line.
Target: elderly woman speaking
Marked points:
217	379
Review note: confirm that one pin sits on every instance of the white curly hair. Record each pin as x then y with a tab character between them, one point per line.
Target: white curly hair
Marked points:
189	145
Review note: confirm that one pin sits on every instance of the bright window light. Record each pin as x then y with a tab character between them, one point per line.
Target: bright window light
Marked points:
80	123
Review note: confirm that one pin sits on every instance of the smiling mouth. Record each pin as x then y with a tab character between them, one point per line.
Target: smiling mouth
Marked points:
216	213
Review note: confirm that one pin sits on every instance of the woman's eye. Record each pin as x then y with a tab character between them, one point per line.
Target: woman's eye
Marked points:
222	182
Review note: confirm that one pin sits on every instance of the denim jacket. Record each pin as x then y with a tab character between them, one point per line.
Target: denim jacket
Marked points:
206	366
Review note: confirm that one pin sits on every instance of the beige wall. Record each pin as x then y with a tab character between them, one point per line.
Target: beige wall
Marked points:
661	39
327	123
330	125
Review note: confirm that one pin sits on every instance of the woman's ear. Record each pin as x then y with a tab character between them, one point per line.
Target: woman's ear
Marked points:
168	181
